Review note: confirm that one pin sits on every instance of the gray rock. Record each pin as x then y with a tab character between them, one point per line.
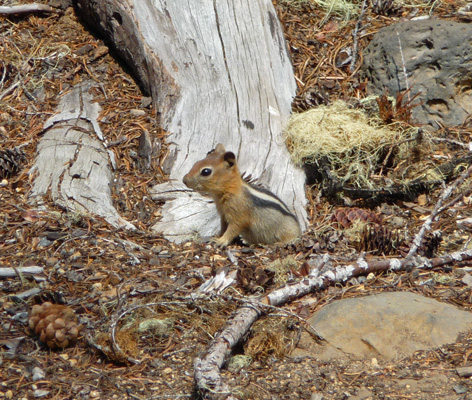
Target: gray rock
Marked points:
385	326
460	389
363	394
38	374
41	393
467	279
428	384
438	60
464	372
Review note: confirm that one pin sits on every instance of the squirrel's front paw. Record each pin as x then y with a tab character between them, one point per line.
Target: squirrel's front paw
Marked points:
219	242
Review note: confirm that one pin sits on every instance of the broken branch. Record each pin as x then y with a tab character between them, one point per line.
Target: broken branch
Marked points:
26	9
447	191
10	272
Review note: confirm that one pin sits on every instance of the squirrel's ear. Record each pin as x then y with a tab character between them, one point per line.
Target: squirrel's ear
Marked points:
219	149
230	158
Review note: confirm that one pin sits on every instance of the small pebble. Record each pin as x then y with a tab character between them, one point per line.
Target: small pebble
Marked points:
38	374
137	113
40	393
460	389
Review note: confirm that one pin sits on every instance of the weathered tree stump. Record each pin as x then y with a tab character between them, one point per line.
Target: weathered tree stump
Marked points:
73	165
218	72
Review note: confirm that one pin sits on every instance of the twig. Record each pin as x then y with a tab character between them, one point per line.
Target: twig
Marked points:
28	113
455	200
9	90
407	87
10	272
437	209
3	75
26	9
116	142
26	294
457	143
352	66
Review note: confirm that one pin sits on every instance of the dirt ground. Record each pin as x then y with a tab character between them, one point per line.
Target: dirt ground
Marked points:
115	281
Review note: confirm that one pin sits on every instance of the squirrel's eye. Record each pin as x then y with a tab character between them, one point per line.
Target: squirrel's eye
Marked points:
205	172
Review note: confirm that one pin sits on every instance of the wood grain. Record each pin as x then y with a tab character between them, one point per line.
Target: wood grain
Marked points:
73	165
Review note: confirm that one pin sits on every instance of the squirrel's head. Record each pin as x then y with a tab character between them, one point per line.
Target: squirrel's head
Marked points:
213	174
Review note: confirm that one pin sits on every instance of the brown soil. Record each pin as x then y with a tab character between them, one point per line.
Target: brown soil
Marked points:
115	280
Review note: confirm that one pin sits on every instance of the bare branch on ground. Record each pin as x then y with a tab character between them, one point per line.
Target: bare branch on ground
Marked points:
26	9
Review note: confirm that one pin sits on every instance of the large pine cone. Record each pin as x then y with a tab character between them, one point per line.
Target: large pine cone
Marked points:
55	324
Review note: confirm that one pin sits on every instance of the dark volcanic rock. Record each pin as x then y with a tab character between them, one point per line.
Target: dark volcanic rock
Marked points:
437	56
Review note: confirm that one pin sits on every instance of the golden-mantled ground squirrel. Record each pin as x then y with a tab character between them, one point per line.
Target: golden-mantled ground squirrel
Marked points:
256	214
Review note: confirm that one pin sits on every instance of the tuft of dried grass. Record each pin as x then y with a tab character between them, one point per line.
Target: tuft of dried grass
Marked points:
271	337
351	142
344	9
281	267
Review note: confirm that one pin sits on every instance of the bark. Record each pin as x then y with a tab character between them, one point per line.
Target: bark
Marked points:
73	165
218	72
207	368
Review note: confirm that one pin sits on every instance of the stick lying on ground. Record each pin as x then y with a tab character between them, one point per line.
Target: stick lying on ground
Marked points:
26	9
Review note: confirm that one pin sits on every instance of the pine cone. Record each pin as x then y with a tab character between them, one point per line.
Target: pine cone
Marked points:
10	162
378	240
386	7
55	324
347	216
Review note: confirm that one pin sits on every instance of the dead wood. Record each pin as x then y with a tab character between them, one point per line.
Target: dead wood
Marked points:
26	9
408	191
10	272
437	209
207	368
218	72
73	165
374	197
352	65
27	294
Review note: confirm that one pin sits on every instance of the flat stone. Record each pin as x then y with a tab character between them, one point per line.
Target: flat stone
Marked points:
464	372
363	394
384	326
